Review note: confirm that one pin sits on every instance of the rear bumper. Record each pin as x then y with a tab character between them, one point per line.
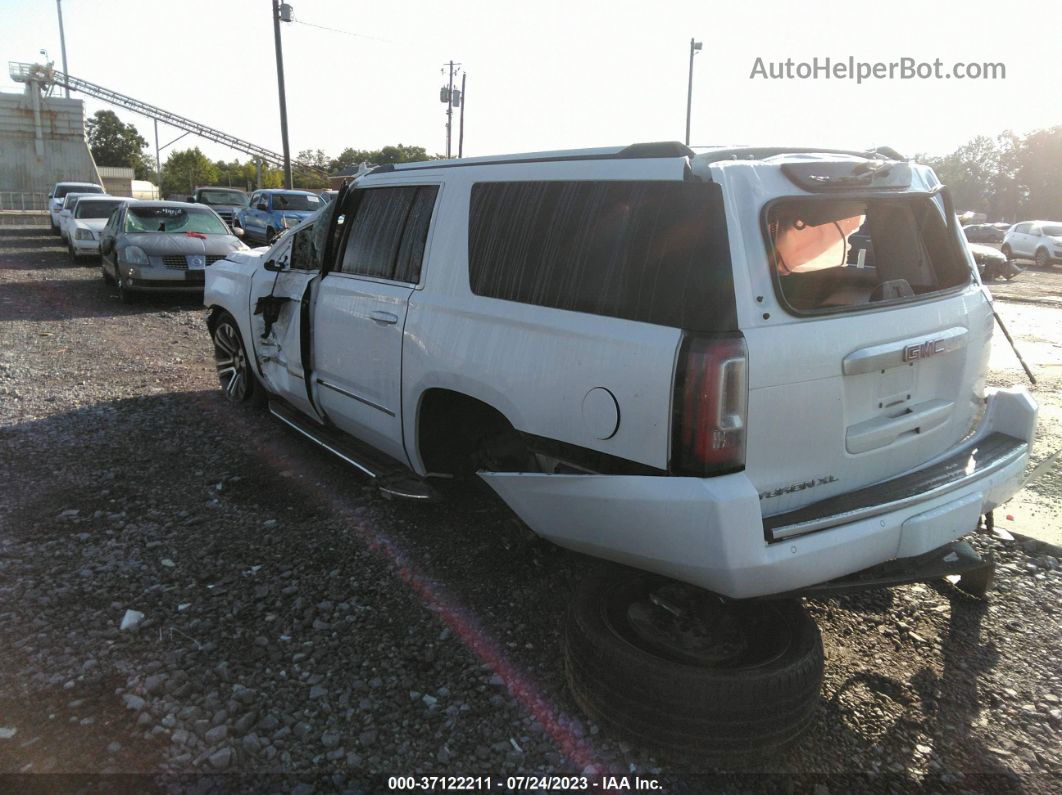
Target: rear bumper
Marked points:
710	532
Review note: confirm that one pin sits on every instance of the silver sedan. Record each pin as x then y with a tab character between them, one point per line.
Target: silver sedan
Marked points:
160	246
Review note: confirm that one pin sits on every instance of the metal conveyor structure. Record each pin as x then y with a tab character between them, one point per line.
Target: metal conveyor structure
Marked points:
49	76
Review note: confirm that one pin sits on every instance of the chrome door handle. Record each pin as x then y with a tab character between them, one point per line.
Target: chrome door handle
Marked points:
384	318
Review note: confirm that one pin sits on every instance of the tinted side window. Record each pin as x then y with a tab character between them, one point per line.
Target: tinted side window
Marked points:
655	252
376	231
304	254
415	238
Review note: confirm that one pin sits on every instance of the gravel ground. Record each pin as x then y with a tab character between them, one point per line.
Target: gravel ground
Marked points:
301	632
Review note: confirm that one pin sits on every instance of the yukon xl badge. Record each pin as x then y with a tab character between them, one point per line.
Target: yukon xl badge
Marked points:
923	350
795	487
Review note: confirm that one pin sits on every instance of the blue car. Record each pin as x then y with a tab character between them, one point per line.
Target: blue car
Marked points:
270	212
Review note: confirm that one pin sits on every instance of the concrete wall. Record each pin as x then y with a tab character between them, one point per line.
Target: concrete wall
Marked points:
42	141
117	181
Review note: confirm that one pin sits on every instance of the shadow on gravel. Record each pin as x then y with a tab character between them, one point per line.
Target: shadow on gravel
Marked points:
61	299
180	499
942	709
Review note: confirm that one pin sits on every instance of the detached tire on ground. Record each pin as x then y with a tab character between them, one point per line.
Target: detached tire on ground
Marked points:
676	668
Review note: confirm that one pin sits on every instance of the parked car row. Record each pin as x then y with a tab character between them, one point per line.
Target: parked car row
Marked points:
57	196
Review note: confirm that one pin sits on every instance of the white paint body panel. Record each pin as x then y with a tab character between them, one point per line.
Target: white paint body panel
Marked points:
93	225
357	353
534	364
709	531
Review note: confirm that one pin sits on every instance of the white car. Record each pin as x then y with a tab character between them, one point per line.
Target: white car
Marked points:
66	212
1040	241
58	194
84	226
751	371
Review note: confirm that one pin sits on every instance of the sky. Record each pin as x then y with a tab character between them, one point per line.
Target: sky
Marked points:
555	74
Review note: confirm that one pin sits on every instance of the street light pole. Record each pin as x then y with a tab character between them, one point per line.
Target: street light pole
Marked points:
62	43
449	110
280	87
158	158
461	135
695	47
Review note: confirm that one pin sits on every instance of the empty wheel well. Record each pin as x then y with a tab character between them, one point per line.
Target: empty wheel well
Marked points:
458	435
215	315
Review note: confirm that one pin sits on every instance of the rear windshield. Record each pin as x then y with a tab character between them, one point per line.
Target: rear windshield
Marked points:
62	190
832	255
174	219
95	209
226	198
295	201
655	252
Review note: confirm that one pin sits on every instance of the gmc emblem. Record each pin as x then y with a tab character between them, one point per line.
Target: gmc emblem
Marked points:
923	350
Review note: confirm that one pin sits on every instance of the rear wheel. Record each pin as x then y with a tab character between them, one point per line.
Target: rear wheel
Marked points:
680	669
235	374
1042	258
1006	252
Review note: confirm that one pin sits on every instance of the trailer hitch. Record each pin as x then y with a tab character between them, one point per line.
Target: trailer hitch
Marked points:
957	559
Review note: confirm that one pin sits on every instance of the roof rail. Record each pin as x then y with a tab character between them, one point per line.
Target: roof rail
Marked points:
658	149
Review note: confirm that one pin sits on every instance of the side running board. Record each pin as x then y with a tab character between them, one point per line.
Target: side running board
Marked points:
390	477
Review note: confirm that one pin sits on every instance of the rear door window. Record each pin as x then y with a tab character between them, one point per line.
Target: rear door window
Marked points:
830	255
388	232
650	251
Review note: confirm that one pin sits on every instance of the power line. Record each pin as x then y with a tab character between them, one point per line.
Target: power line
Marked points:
344	32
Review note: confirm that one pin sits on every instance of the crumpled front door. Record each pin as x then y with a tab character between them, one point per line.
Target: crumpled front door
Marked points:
276	326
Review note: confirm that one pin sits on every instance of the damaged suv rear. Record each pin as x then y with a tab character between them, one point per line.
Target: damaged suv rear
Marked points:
842	421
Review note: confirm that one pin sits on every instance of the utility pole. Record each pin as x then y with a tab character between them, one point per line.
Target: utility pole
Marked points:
284	9
449	109
62	44
158	157
461	136
695	47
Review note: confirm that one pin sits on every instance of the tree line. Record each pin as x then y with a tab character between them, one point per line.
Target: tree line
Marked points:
1008	178
115	143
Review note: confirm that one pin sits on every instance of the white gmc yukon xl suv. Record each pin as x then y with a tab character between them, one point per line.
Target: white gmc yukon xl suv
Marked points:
755	371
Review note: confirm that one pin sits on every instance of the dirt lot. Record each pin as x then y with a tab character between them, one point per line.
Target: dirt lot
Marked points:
301	632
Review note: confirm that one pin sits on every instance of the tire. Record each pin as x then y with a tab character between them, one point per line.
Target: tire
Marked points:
729	710
235	372
1043	259
106	276
125	295
73	257
1006	252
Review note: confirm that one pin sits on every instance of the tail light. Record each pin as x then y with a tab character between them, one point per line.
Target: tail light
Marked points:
710	406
